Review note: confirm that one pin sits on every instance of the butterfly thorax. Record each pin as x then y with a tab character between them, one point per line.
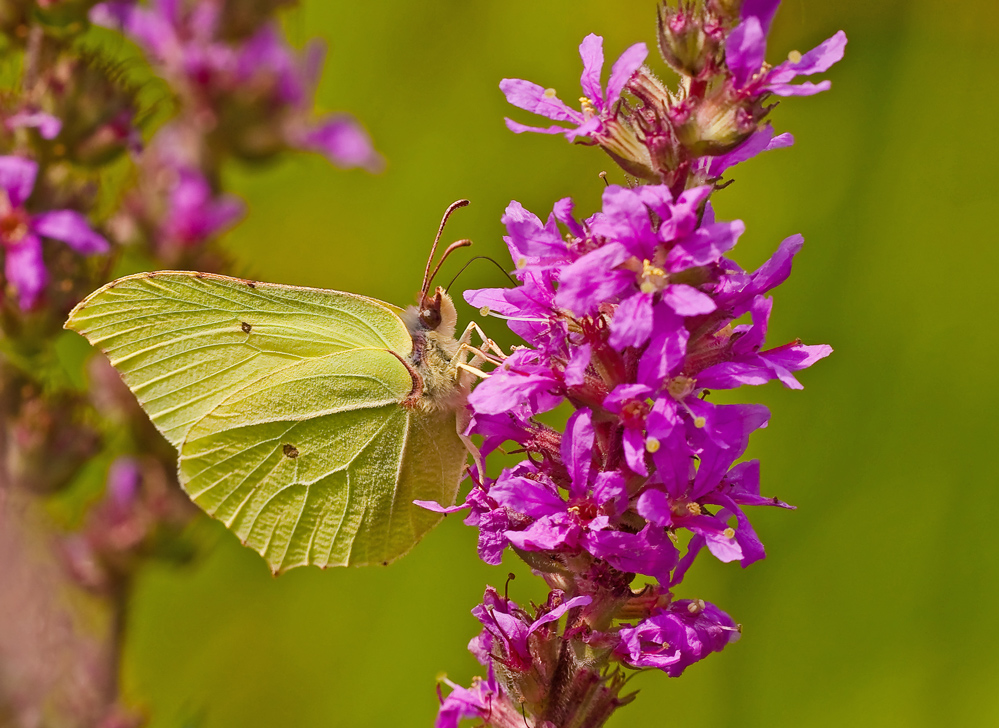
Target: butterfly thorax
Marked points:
432	327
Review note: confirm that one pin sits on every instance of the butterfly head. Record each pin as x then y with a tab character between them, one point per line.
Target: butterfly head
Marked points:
435	313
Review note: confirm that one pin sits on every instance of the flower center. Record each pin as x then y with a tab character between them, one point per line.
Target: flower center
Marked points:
652	278
680	387
584	510
686	508
633	413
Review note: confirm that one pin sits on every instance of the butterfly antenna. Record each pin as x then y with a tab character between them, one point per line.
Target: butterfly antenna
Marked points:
480	257
433	250
463	243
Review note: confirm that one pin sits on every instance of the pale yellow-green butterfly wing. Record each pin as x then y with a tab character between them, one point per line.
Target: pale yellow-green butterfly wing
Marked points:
290	408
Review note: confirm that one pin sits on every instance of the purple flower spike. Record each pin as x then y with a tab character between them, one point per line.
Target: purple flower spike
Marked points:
630	319
187	44
21	232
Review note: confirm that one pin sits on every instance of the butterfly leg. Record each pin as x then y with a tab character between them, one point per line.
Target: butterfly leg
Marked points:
493	355
487	343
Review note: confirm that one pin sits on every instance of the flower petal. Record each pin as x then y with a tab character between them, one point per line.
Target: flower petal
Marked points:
746	50
591	50
344	142
688	301
72	228
821	58
17	178
555	614
592	279
762	10
624	68
632	322
24	268
577	450
531	97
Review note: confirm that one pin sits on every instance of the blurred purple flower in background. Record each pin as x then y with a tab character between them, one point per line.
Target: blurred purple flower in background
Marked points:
21	231
256	92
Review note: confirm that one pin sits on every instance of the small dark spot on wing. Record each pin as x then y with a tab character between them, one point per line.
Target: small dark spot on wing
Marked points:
199	275
384	563
290	451
245	326
251	284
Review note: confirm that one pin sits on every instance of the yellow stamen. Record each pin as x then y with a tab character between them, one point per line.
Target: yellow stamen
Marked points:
651	279
484	311
794	57
700	422
550	93
652	444
729	533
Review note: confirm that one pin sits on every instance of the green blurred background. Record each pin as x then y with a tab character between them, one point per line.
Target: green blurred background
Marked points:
877	605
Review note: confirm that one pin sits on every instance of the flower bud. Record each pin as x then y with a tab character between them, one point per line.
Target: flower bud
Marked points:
690	38
719	122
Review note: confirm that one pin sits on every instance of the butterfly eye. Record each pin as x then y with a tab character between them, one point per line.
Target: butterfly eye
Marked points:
430	317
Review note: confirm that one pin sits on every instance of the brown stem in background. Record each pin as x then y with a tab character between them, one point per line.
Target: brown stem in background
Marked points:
32	58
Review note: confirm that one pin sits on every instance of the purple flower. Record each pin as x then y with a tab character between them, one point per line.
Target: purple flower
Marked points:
194	214
745	56
223	78
477	702
338	137
21	231
676	637
748	364
597	105
508	628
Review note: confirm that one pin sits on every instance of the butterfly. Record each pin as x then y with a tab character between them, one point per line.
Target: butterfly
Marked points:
306	420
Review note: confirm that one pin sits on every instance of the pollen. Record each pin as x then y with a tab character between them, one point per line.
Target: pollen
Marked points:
587	106
550	93
794	57
652	278
484	311
652	444
700	422
696	606
729	533
521	263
